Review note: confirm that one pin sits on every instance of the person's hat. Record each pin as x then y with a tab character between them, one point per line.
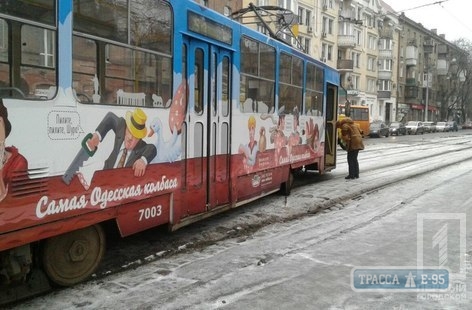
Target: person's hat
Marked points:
251	122
136	123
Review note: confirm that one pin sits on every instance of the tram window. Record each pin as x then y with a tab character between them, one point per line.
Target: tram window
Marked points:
38	62
3	41
37	47
249	56
310	76
257	82
198	73
267	66
290	98
291	77
106	18
297	72
131	77
42	11
313	96
84	69
313	103
214	77
319	79
151	23
184	62
4	66
285	69
148	23
226	84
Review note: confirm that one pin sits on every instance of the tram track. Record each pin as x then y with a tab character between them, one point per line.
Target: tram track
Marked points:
244	221
312	194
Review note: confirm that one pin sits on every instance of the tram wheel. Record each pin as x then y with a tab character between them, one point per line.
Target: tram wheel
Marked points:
71	258
286	187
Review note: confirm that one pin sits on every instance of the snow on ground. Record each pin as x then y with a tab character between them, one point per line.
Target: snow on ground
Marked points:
306	263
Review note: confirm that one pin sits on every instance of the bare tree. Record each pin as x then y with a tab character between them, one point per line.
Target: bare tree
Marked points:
460	107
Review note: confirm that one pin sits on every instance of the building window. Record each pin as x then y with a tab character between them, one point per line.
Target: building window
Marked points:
371	42
386	44
308	18
307	45
355	81
300	15
326	52
370	85
358	35
371	63
386	65
385	85
356	58
327	25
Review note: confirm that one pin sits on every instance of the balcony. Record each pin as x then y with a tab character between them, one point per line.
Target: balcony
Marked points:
346	40
384	74
384	94
385	54
442	49
411	57
346	14
345	64
441	68
428	47
386	33
410	82
411	92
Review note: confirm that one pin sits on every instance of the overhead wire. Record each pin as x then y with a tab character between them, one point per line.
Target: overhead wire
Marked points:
440	4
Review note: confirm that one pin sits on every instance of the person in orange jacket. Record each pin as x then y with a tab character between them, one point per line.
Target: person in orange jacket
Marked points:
351	138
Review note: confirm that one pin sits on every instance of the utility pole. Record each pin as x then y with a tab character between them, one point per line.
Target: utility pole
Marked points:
427	94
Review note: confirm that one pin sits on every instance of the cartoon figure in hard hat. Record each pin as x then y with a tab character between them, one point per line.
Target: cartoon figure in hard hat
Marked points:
129	150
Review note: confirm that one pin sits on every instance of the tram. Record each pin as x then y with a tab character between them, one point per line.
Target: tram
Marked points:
142	113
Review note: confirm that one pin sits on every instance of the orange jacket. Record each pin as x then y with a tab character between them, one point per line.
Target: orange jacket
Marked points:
350	134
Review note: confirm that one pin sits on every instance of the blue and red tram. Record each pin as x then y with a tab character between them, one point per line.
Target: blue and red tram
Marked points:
144	113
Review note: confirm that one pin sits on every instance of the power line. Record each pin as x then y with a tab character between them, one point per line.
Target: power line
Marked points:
424	5
457	19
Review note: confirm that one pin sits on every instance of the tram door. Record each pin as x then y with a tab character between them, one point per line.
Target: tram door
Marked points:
330	130
208	142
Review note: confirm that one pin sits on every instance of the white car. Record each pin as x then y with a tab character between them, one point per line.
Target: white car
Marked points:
442	127
414	128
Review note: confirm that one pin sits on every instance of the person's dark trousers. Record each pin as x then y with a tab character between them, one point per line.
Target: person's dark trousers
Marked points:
353	163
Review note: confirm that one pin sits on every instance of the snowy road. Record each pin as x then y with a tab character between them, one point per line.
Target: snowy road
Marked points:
387	218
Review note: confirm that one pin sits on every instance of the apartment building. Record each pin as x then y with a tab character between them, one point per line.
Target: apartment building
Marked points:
388	62
427	72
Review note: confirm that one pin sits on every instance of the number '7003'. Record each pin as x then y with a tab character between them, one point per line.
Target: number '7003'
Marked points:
151	212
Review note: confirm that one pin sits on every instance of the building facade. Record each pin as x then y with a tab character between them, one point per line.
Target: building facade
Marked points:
390	63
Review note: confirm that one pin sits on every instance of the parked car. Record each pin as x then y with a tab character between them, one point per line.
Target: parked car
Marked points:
442	127
414	128
429	126
378	129
397	128
452	125
467	125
